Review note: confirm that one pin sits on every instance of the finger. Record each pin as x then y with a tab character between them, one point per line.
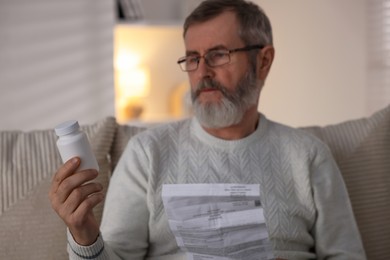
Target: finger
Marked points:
87	205
67	169
72	182
79	194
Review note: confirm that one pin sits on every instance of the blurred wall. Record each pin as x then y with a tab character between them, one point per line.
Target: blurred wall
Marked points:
55	62
319	75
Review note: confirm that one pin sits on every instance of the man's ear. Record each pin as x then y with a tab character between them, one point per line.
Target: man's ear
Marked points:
265	57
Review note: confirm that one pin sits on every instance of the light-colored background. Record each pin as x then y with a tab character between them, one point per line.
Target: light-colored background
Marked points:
56	61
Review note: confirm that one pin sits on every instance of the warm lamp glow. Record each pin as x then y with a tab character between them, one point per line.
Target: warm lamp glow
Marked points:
157	47
132	83
126	59
131	86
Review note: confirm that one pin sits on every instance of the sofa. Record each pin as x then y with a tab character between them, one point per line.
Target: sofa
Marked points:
30	229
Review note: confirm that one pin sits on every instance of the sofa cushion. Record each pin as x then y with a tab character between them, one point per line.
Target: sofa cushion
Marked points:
30	229
362	150
122	137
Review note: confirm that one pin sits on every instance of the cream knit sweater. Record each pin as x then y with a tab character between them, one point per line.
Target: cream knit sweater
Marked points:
306	205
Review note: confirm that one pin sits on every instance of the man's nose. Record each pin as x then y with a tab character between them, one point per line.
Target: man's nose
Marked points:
204	70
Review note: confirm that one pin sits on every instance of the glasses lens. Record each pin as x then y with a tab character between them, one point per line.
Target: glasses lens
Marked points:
188	63
217	58
192	63
213	58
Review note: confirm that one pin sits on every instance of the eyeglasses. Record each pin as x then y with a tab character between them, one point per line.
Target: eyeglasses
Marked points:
213	58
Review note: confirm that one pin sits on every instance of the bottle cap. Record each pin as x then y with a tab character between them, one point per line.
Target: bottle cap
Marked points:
66	127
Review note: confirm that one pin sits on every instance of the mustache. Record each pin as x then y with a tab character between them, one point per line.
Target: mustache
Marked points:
208	84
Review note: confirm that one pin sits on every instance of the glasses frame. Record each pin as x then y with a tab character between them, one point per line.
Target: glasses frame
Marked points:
228	52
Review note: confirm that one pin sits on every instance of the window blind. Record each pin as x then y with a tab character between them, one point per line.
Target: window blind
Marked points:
378	54
56	62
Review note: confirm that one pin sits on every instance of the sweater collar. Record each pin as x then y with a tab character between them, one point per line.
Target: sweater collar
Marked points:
213	141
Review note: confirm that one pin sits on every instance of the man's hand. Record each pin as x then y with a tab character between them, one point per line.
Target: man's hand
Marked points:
73	199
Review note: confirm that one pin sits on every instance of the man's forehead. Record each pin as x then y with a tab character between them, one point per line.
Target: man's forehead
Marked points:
221	30
213	48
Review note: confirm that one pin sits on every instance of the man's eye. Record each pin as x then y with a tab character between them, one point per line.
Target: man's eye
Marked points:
217	55
192	59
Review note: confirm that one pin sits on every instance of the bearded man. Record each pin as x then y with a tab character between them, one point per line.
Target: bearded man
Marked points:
226	184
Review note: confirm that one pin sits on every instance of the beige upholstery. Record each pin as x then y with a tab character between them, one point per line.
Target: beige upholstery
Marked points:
31	230
362	150
29	227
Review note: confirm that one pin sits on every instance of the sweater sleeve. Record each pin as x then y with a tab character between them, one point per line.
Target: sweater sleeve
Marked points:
95	251
126	216
336	232
124	227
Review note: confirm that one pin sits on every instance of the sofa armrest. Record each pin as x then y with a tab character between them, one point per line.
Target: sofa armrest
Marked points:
30	229
362	151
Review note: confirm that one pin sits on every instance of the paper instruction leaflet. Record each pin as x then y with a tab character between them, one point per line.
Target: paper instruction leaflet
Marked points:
218	221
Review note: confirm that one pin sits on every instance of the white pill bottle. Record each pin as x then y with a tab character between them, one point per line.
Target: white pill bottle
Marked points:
72	142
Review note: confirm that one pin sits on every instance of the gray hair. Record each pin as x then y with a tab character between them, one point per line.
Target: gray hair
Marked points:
255	27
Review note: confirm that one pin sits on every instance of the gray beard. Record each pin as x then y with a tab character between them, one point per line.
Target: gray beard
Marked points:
233	105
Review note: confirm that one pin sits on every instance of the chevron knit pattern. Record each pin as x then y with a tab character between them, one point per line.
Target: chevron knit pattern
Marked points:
289	165
27	161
